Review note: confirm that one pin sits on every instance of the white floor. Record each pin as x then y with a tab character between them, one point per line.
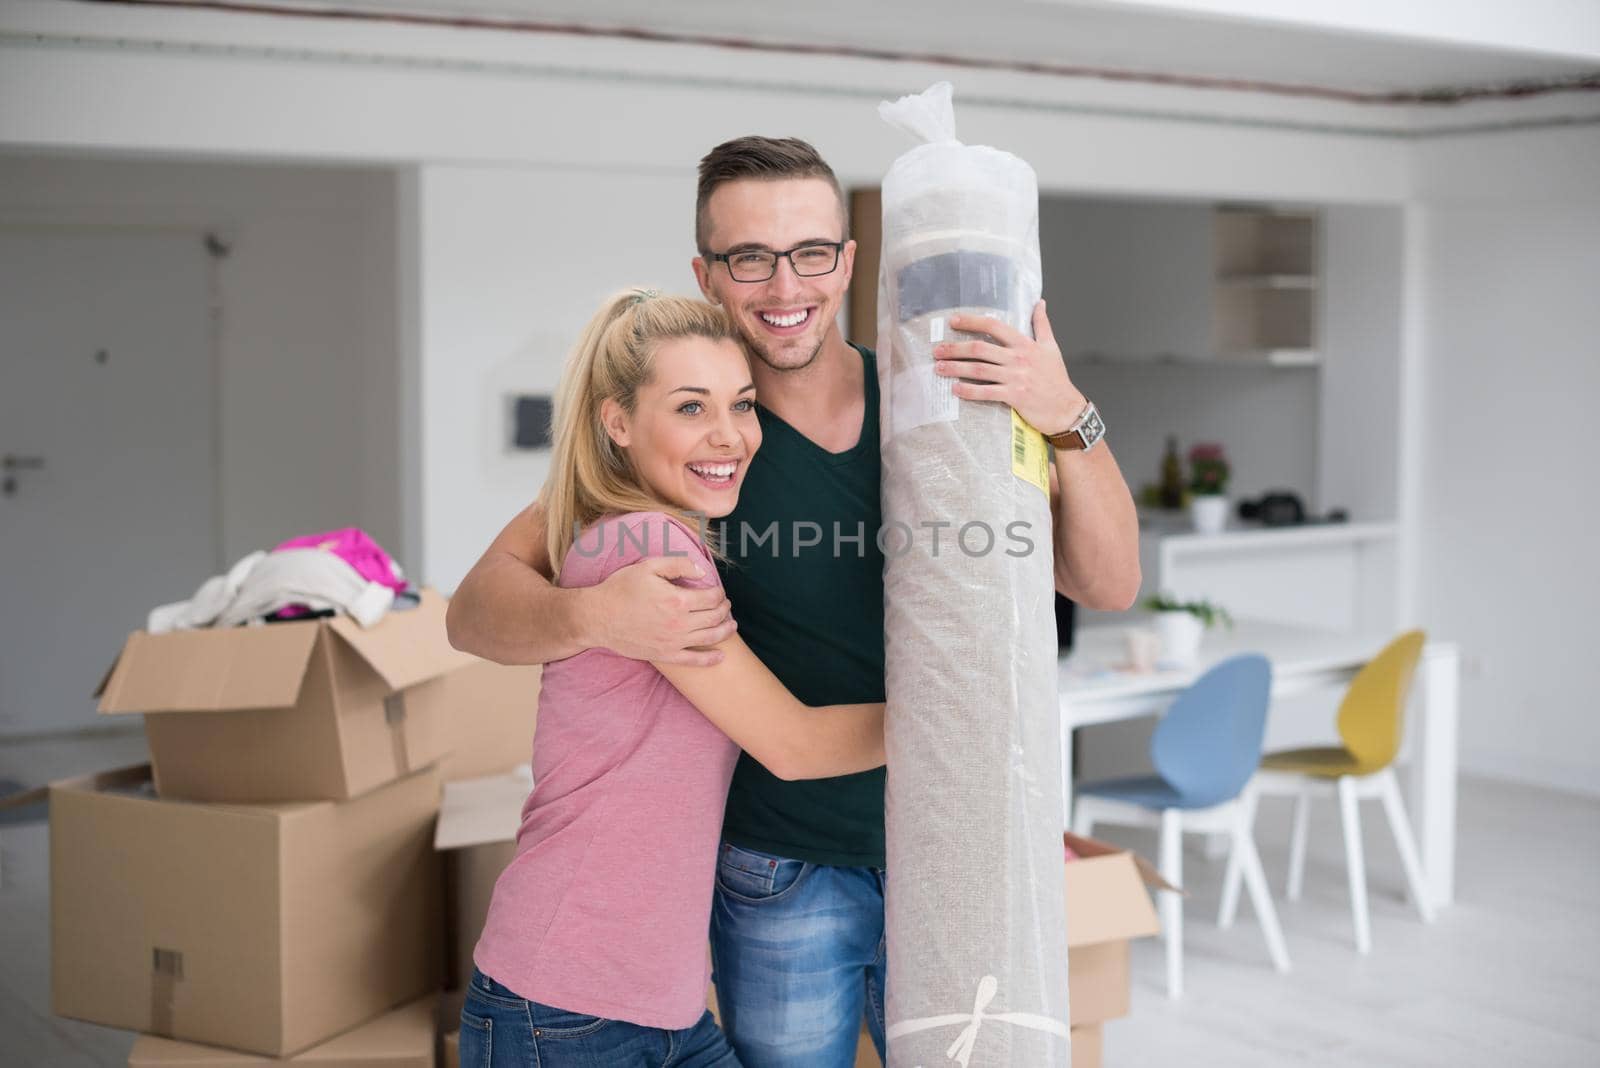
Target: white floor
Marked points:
1510	975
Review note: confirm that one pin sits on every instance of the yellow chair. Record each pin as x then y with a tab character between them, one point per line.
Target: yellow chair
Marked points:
1371	724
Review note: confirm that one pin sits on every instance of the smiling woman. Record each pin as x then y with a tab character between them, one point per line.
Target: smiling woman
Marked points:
594	949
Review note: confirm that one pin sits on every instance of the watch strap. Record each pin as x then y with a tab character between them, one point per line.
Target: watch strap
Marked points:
1073	438
1068	440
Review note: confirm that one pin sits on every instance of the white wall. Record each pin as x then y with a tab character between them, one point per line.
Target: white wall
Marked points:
1360	336
512	262
305	327
1508	511
1131	278
1265	417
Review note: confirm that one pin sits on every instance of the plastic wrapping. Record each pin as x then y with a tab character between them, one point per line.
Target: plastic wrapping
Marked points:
975	920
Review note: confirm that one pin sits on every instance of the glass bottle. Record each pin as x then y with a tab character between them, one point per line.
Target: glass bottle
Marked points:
1171	476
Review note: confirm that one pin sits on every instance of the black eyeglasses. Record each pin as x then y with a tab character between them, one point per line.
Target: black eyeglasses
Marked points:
758	265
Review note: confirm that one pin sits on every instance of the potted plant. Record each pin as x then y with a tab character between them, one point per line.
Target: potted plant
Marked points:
1182	623
1208	488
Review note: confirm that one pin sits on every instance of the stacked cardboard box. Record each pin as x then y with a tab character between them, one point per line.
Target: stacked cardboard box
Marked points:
403	1038
263	928
268	888
307	711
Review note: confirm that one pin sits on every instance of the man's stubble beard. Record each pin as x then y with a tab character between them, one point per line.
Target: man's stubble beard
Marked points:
760	353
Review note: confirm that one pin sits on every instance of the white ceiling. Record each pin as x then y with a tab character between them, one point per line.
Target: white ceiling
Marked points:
1059	33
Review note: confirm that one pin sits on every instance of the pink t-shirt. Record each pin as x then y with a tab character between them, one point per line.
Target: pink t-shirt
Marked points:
605	908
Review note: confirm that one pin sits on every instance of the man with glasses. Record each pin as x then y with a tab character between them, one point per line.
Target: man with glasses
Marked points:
797	924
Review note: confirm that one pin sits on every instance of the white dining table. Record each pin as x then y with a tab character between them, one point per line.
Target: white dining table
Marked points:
1096	686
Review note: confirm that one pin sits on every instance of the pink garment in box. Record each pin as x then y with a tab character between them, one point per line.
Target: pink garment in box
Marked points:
355	547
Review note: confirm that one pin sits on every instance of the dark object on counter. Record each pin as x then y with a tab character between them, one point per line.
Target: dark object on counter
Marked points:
1278	508
1282	508
1066	622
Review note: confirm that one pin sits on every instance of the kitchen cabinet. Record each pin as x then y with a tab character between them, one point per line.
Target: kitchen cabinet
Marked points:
1182	282
1265	285
1337	576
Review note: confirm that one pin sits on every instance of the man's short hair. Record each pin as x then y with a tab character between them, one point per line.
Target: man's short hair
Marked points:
763	159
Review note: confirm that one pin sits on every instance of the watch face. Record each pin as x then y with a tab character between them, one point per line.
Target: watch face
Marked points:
1092	429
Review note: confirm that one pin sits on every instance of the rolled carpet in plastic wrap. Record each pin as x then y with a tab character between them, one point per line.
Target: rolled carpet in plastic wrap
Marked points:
975	921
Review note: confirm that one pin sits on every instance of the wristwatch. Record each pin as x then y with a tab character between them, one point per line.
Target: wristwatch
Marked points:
1083	434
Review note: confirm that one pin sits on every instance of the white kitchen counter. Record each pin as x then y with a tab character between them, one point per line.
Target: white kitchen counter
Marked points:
1252	537
1339	576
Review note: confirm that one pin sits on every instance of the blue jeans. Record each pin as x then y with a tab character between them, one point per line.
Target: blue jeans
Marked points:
798	956
501	1030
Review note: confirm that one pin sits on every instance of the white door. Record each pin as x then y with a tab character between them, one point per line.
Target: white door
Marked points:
107	454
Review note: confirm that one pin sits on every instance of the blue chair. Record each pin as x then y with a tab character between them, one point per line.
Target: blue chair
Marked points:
1205	751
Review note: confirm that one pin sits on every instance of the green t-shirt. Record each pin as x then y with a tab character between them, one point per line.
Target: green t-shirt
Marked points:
813	613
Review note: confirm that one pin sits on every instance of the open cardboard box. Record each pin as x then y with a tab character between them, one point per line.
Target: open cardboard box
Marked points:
268	929
403	1038
315	710
1108	904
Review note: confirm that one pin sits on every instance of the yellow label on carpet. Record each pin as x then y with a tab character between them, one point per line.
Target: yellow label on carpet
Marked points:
1029	459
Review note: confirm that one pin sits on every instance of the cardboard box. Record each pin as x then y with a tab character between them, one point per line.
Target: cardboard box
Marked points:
476	834
316	710
1107	905
488	713
1087	1050
866	1052
267	929
403	1038
451	1002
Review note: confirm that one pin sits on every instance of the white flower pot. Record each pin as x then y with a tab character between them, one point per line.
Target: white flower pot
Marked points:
1209	513
1180	637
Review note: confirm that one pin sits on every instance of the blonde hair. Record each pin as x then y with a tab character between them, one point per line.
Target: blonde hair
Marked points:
590	475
